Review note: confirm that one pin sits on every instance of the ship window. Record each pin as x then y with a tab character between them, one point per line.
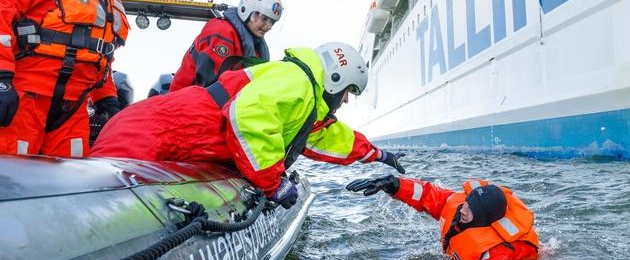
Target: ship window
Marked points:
376	47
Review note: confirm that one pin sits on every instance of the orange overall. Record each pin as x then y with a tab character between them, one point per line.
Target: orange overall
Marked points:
60	52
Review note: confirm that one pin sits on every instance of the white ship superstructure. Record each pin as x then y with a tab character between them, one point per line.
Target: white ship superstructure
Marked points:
518	75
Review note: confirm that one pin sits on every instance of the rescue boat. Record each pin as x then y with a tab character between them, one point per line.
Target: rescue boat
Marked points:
105	208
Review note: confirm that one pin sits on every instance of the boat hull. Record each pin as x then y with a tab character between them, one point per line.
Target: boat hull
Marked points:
53	208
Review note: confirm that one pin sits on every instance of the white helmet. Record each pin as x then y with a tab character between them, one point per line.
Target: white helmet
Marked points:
343	67
270	8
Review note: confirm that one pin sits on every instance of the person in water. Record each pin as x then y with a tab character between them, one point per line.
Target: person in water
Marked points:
483	222
260	118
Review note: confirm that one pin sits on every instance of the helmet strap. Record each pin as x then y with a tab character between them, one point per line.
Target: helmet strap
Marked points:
333	100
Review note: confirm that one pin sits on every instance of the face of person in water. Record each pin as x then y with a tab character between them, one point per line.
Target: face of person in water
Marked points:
467	215
259	24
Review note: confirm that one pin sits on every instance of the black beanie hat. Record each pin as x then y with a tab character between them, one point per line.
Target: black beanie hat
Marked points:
488	204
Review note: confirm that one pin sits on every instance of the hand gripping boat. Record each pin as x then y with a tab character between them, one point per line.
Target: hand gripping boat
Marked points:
52	208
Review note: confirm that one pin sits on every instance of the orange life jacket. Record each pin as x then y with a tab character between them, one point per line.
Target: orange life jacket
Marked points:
91	28
74	31
472	243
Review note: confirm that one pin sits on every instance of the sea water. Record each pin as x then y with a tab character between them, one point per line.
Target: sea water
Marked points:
581	206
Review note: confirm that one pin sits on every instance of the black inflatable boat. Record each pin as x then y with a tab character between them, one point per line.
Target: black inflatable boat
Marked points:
52	208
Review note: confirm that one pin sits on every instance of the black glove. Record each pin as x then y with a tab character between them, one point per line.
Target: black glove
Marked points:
391	159
388	183
8	99
108	107
286	195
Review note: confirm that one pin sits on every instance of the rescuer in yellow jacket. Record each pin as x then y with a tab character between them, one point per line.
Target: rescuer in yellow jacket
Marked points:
260	118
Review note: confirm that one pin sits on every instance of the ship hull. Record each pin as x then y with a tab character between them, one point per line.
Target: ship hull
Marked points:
546	78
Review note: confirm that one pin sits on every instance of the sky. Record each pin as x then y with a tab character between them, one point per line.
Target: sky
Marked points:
151	52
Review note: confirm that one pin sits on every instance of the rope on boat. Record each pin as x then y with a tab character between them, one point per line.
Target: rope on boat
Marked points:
198	223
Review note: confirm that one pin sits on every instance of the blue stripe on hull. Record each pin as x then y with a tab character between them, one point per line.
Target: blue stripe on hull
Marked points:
605	133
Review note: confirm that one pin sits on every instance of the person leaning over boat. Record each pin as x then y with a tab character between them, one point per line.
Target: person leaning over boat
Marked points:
239	33
54	55
261	118
483	222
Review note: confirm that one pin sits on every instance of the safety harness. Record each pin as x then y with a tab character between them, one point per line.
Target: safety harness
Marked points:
79	44
297	145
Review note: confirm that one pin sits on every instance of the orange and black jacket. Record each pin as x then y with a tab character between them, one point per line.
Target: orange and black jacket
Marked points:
220	39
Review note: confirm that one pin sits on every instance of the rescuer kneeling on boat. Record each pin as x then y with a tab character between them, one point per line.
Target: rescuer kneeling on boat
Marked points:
260	118
483	222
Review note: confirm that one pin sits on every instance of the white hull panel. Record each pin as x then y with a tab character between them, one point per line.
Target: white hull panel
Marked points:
467	65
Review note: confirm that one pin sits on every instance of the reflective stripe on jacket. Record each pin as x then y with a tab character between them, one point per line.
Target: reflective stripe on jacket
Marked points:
338	143
104	28
472	243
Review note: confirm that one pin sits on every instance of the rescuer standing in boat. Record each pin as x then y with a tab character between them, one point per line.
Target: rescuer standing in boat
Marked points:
483	222
239	33
261	118
53	56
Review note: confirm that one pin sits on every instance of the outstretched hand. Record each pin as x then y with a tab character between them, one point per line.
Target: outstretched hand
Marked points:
388	183
391	159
